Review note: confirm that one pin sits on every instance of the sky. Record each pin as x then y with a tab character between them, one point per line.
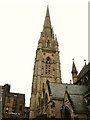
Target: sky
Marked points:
21	22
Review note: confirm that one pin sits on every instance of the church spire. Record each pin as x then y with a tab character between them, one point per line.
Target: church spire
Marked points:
47	22
74	72
47	27
46	67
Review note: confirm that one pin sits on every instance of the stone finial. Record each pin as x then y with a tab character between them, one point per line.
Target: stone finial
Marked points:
85	61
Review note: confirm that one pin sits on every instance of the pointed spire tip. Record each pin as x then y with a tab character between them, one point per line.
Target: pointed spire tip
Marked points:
73	59
47	12
47	22
74	70
47	5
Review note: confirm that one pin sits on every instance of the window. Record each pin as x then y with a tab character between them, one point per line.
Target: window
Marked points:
42	70
6	109
43	86
48	43
48	66
53	104
9	99
13	109
46	99
15	100
20	108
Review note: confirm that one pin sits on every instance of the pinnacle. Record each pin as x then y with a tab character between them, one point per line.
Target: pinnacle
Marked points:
74	70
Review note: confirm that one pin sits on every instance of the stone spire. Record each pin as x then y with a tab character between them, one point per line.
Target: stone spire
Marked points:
47	22
74	72
47	27
47	65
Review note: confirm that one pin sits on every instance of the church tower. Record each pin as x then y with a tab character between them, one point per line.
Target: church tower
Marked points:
47	64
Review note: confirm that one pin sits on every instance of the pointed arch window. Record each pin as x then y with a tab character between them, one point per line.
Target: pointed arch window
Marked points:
48	66
48	43
46	99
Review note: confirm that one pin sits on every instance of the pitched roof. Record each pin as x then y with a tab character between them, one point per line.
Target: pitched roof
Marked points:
84	71
58	90
78	103
75	92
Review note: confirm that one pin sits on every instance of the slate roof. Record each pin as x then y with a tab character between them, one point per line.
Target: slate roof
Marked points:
84	71
78	103
75	92
58	90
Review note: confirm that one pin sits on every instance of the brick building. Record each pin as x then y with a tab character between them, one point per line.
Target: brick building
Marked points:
12	103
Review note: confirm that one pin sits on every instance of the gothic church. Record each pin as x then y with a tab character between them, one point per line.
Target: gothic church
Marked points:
50	98
47	63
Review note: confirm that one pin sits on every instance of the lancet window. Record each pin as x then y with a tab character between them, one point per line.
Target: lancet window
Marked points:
48	66
48	43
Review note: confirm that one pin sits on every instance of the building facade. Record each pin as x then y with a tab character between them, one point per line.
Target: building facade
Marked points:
47	64
50	98
26	112
12	103
66	101
89	31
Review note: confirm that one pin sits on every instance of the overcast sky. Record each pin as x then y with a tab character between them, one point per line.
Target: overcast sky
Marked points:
21	22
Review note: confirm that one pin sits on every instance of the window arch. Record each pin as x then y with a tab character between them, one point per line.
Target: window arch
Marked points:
46	99
48	66
67	115
48	43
